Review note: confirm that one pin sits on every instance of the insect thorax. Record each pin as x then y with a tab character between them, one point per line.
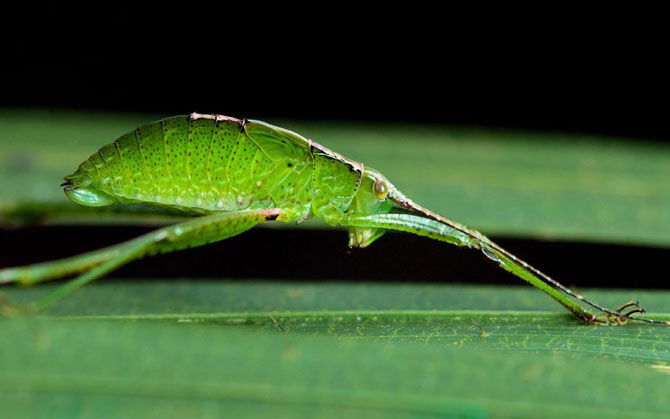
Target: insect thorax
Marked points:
335	181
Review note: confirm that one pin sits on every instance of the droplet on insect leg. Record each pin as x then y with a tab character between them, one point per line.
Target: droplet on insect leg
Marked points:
490	253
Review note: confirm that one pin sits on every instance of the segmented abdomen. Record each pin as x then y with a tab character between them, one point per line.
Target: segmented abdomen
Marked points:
201	162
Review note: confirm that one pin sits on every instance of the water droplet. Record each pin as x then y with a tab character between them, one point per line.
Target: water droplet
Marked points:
219	204
259	183
490	253
158	198
198	202
139	196
178	200
239	200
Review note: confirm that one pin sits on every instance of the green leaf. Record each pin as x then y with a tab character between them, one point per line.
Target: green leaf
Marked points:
211	348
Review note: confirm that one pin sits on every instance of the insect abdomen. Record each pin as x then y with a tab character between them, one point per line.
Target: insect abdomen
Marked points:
201	162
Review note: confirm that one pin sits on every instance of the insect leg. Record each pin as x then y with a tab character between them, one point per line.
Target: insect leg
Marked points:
440	231
192	233
40	272
134	251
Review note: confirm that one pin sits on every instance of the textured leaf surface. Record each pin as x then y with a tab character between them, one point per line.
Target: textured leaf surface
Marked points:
184	348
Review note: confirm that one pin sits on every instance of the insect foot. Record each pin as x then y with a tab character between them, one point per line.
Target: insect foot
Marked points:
620	317
609	319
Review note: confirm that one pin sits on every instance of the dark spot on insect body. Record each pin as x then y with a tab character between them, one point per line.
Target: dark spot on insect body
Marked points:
289	164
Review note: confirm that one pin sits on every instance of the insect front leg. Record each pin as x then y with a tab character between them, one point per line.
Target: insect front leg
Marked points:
192	233
440	230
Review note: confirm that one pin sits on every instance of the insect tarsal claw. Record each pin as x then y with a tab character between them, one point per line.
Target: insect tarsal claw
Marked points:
636	310
633	303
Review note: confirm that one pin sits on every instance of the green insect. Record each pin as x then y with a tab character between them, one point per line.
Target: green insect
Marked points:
241	173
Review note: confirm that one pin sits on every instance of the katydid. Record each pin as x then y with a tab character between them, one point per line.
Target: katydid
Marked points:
240	173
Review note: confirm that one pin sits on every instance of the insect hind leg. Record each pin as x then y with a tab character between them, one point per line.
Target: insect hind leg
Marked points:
40	272
192	233
129	253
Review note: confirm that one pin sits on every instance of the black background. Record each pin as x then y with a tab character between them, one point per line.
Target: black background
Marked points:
614	81
610	83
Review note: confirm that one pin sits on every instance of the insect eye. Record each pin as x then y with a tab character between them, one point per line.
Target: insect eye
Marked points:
380	190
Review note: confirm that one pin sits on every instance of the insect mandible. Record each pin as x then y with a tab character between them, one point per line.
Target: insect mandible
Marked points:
239	173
